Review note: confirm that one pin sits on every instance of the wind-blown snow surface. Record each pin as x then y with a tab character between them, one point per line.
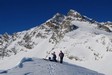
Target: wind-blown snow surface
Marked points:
29	66
87	46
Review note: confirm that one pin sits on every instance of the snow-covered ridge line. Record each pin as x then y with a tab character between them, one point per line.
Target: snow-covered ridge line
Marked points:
33	66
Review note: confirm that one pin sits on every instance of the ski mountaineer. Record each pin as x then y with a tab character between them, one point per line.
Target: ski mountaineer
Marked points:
61	55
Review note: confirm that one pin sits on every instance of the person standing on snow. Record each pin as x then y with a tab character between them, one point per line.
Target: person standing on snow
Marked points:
61	55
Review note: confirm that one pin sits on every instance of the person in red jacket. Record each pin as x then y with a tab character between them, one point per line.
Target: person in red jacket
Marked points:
61	55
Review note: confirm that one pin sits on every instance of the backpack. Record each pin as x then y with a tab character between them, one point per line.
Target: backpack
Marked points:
61	55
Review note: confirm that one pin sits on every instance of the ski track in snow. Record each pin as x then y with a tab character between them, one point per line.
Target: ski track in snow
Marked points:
51	69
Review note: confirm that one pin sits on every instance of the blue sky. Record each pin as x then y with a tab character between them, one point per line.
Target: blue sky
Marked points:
19	15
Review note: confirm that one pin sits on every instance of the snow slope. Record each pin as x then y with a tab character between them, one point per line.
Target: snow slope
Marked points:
29	66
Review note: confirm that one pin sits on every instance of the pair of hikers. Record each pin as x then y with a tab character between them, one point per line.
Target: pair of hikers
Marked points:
61	55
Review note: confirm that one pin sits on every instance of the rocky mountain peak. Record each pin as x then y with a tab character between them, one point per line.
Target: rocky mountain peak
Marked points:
58	18
74	13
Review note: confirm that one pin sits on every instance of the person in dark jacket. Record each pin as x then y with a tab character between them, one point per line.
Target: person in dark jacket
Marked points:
54	57
61	55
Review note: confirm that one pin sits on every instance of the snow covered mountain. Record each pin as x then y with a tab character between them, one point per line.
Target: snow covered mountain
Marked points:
84	41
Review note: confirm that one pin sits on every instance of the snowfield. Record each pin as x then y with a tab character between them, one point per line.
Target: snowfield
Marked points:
34	66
